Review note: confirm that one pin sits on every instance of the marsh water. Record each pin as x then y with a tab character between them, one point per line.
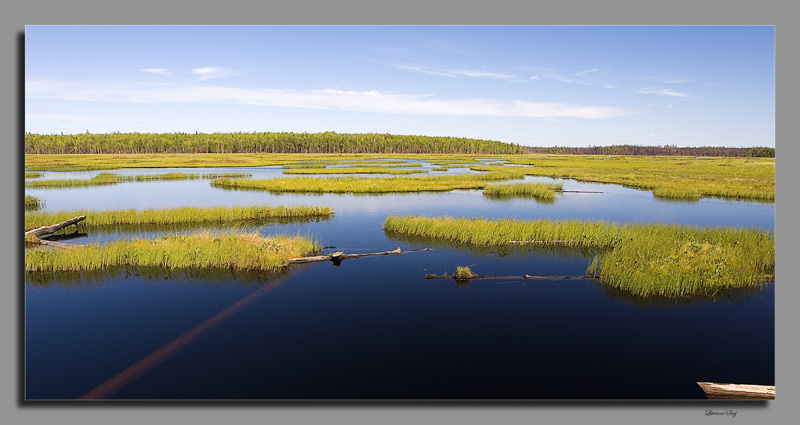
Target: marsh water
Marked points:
375	327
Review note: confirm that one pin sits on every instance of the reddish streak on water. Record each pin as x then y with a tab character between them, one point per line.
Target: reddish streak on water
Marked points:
111	386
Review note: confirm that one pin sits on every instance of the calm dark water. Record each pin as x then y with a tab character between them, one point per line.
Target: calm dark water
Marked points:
375	328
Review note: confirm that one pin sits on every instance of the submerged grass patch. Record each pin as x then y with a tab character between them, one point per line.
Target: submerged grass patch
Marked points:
368	185
174	215
227	251
641	259
535	190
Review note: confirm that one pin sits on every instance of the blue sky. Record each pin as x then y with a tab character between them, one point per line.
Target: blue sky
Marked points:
531	85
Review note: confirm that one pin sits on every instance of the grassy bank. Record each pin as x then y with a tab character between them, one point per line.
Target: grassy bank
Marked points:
666	177
641	259
228	251
104	179
352	170
173	215
534	190
88	162
368	185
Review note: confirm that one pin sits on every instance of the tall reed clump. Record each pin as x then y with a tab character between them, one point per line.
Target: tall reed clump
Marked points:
535	190
368	185
643	259
175	215
32	203
204	251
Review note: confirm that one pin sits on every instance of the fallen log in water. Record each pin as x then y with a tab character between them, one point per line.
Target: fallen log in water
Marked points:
475	276
338	257
717	391
577	191
39	234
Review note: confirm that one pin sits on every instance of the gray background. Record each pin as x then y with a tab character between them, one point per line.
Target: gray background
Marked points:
15	16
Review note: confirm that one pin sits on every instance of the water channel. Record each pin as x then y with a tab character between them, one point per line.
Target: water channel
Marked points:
375	328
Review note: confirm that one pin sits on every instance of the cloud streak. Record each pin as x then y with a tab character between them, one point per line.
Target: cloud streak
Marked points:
155	71
448	72
662	92
211	72
332	99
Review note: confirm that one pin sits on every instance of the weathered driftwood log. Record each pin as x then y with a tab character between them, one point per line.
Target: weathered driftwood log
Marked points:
38	234
57	244
475	276
43	231
577	191
338	257
717	391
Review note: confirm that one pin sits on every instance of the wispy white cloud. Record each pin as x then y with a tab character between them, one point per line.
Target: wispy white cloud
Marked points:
155	71
653	105
360	101
662	92
442	71
209	72
587	72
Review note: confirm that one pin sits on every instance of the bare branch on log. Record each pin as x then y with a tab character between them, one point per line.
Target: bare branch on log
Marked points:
49	230
38	234
338	257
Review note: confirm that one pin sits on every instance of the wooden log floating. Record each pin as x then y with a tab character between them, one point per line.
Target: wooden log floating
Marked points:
338	257
577	191
716	391
525	276
43	231
38	235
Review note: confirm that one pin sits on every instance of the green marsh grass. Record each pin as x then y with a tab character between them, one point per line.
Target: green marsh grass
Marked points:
347	170
667	177
535	190
170	216
32	203
368	185
160	177
101	179
641	259
88	162
226	251
464	272
33	175
232	175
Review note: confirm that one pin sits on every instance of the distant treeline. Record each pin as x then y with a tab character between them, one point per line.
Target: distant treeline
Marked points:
328	142
762	152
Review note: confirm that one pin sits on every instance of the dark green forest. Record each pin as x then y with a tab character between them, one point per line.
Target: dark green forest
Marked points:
328	142
759	152
331	142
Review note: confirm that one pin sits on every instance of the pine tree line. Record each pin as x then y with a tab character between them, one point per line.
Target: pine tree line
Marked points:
328	142
761	152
